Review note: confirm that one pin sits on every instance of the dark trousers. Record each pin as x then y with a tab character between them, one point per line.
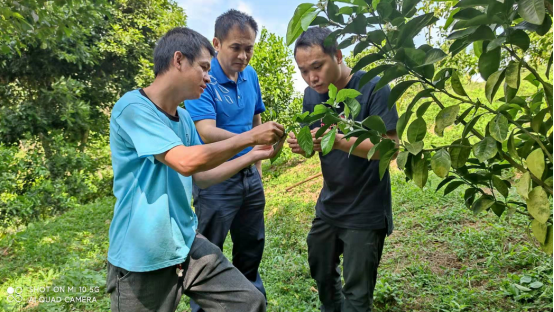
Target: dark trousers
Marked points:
208	278
235	205
361	251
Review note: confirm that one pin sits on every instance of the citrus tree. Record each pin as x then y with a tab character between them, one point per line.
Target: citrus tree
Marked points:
517	131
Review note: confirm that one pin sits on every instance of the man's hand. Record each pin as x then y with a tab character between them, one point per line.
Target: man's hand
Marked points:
317	142
267	133
294	146
260	152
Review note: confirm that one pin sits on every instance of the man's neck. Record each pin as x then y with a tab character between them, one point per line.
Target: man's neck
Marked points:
231	75
344	77
163	95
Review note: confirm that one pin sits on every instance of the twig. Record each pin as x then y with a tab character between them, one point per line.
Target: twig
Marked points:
301	182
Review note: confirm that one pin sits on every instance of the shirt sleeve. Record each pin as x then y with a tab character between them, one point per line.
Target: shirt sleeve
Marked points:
260	106
141	127
204	107
378	105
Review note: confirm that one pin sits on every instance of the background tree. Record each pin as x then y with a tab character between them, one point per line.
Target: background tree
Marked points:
273	62
491	136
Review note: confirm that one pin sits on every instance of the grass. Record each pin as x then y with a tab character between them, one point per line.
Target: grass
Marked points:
439	258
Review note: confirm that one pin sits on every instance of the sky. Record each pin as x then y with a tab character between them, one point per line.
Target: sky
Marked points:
273	15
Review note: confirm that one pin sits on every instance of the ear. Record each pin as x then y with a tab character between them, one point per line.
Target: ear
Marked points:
338	56
178	59
216	43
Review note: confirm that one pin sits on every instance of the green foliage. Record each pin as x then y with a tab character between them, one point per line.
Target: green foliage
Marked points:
74	60
273	62
518	135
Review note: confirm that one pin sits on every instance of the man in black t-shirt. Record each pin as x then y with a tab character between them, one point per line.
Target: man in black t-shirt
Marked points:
353	211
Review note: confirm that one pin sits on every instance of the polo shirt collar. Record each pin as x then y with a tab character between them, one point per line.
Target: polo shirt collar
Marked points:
219	74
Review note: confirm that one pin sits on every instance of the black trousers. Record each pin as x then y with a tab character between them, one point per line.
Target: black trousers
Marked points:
361	250
235	205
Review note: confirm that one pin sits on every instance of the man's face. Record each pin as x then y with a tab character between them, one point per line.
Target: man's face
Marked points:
194	77
235	50
318	68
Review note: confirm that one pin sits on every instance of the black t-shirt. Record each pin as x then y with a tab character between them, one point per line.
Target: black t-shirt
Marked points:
353	196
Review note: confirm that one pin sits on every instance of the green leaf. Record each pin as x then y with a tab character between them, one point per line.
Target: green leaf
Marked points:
512	74
333	12
322	130
538	120
445	118
372	151
294	28
402	122
498	128
457	84
467	14
305	140
484	32
493	83
478	48
332	92
532	11
376	36
375	122
414	148
452	187
523	186
478	21
357	26
367	77
482	204
536	285
366	60
459	154
320	21
538	205
535	162
470	125
414	26
401	160
347	94
320	109
359	140
498	208
408	5
547	247
462	33
539	231
522	288
440	163
384	162
308	18
512	146
417	130
419	171
500	186
458	46
444	182
398	90
390	74
328	141
472	3
485	149
423	108
421	94
450	18
519	38
360	47
489	62
354	106
433	56
496	43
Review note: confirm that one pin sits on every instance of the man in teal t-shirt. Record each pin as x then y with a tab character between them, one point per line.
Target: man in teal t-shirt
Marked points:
155	255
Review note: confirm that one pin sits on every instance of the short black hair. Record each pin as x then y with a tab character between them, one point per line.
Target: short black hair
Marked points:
314	36
182	39
227	20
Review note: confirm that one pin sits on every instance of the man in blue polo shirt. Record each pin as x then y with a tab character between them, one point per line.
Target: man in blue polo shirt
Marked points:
155	254
232	104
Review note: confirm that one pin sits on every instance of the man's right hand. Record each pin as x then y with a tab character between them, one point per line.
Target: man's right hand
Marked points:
268	133
294	146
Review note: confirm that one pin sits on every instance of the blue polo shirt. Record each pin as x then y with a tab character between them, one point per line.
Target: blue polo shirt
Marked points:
232	105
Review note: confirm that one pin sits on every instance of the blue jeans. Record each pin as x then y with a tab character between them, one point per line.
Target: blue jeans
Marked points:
235	205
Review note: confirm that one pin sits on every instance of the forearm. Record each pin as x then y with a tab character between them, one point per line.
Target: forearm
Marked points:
214	134
205	157
223	172
361	150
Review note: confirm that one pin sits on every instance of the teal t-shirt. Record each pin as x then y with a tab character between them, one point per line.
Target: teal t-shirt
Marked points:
153	226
